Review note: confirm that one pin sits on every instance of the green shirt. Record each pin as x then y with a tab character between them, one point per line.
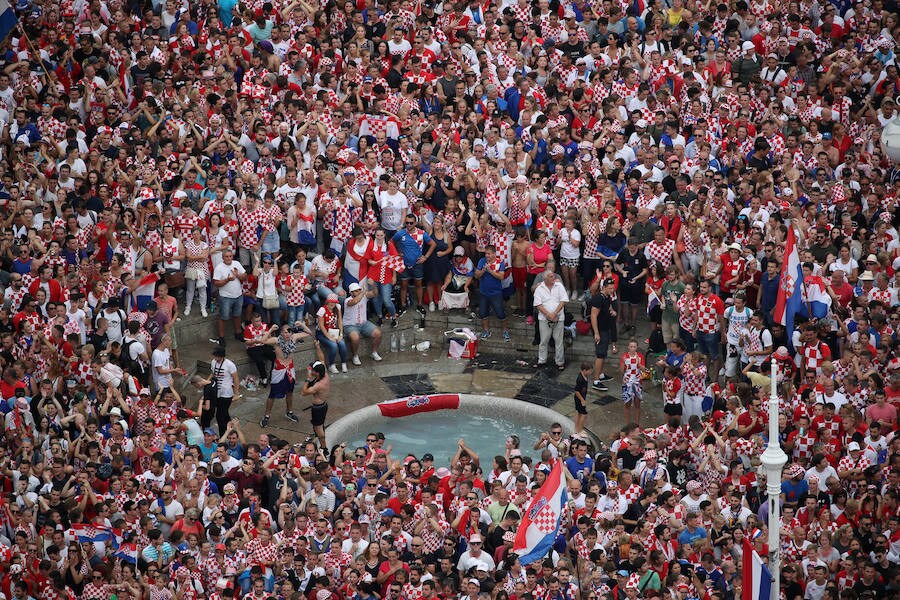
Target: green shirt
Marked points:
671	292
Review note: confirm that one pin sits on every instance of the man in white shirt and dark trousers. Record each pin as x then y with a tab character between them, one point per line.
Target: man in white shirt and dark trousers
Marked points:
225	384
550	299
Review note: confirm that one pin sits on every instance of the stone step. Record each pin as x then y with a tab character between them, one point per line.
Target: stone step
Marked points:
195	331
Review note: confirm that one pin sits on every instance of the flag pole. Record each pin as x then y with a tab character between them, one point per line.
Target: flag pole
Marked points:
773	461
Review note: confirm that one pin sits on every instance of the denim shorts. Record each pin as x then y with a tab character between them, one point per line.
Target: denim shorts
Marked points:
364	330
416	271
230	308
708	344
486	304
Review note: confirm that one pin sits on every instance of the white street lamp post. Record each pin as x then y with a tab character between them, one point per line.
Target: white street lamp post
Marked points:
773	461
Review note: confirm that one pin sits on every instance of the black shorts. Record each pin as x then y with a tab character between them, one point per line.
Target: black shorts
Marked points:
630	293
580	408
601	348
317	414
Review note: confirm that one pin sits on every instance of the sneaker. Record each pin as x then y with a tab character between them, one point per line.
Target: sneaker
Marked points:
421	310
431	307
356	360
599	386
530	320
187	311
291	417
376	357
220	341
333	369
401	312
203	311
505	335
264	381
379	321
603	377
485	334
343	367
394	322
264	421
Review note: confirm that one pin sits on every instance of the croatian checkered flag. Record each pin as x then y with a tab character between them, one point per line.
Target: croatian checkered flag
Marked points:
540	523
394	263
372	125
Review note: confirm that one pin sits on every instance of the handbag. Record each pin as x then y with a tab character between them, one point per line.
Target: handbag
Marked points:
334	333
175	279
270	302
192	273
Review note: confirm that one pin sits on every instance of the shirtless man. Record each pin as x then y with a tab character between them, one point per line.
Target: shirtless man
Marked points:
318	385
520	247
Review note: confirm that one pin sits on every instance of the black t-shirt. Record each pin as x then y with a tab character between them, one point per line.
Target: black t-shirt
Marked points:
629	460
875	587
605	320
793	590
633	265
581	386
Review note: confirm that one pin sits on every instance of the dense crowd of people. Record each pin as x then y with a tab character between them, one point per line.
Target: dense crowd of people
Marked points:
311	171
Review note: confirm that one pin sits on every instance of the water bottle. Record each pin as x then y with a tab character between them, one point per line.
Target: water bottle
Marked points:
402	341
393	342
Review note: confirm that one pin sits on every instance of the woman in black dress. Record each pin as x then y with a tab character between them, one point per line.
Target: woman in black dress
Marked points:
438	264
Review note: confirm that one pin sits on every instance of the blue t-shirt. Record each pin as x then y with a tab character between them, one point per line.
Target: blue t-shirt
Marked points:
225	8
687	537
792	490
580	470
408	247
488	284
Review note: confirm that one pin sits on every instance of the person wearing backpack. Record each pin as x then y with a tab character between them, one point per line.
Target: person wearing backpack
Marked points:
134	356
756	342
115	320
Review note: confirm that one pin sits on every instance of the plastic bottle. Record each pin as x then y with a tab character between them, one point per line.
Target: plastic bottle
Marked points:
393	342
402	341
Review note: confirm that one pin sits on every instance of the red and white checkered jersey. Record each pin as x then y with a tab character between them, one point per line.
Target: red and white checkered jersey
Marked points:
662	253
709	309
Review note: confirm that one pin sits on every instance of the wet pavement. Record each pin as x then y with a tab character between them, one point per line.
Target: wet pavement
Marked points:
510	374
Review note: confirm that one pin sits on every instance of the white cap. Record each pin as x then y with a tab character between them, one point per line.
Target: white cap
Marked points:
748	46
641	123
853	446
353	287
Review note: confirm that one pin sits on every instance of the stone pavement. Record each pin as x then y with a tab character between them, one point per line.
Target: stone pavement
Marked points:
499	369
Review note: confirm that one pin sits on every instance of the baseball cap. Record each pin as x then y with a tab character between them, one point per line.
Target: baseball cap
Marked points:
144	392
748	46
353	287
209	431
853	446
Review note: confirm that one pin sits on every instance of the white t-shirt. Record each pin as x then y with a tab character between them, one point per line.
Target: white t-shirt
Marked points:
846	267
232	289
161	358
223	375
392	207
566	248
